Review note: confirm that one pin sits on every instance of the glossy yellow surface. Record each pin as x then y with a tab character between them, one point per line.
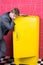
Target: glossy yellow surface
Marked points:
26	39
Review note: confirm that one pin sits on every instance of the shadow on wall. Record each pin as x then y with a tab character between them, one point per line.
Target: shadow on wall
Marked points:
9	43
41	39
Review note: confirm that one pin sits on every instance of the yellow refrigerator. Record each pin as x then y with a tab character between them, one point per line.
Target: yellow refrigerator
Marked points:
26	40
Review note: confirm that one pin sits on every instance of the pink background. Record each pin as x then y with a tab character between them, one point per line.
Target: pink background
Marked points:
30	7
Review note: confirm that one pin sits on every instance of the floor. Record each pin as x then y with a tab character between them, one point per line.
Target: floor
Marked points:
9	61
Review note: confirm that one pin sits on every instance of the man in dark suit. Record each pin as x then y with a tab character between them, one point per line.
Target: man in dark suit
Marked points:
6	24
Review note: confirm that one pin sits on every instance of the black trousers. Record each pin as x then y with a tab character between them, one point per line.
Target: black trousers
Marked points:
2	48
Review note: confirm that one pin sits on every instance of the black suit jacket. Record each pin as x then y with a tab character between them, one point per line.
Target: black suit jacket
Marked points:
6	24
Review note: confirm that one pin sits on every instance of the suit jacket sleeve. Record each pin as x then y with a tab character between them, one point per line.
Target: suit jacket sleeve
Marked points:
8	25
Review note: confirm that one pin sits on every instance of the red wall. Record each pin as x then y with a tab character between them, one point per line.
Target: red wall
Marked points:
30	7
